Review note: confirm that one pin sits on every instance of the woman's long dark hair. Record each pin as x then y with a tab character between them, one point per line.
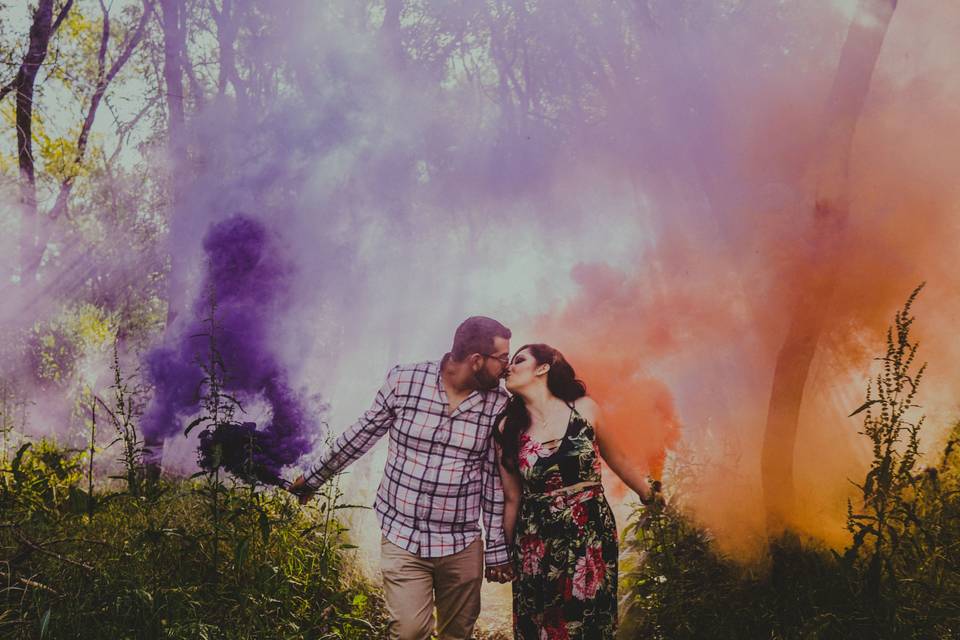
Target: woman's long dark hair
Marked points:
561	381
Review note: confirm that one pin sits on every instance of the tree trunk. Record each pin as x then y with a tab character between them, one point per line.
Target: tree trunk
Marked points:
31	252
174	48
173	21
391	32
830	213
33	230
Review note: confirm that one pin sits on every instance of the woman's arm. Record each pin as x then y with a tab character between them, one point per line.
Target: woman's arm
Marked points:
627	470
510	480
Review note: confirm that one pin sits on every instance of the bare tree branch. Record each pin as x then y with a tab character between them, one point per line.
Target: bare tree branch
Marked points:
61	16
10	86
124	129
104	78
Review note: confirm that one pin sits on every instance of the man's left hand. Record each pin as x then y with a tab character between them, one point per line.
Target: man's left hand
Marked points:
500	573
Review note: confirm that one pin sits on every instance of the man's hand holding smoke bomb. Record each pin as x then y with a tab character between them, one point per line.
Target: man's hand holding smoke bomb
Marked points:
301	489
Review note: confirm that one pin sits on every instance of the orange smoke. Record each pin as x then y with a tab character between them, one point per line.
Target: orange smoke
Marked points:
612	335
688	334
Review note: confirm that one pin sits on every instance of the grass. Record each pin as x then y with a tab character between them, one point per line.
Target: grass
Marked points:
140	566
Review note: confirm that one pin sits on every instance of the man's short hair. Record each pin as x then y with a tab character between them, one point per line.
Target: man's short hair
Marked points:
475	335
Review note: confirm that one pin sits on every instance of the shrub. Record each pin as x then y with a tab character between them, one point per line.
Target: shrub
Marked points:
899	578
140	566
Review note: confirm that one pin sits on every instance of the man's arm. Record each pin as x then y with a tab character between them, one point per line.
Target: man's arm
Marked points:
496	556
510	480
355	441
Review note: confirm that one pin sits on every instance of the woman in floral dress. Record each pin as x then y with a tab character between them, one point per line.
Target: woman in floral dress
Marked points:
550	439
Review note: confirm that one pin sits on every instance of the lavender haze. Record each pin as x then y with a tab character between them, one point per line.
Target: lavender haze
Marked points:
625	180
246	278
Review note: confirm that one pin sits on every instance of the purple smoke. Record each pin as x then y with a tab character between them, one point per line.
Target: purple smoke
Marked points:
248	280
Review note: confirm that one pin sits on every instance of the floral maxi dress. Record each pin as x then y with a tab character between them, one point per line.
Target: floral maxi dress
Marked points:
565	545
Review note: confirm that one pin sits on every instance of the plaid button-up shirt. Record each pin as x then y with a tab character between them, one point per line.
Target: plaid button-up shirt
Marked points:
441	469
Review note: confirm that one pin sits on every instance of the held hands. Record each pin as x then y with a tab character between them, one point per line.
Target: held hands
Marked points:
300	489
500	573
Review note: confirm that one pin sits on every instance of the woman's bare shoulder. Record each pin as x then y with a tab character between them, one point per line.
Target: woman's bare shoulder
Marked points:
587	407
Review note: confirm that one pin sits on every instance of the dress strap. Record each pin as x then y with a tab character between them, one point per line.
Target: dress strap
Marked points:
573	410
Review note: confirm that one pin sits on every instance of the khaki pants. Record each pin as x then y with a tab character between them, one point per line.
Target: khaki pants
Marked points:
413	585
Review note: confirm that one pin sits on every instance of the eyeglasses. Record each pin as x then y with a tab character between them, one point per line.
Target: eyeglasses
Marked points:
502	359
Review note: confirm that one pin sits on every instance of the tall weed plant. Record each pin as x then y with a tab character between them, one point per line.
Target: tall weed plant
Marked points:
899	578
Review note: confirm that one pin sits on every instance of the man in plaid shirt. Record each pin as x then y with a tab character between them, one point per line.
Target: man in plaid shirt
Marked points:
441	472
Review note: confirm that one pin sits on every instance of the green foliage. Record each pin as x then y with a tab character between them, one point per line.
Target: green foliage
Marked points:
127	407
902	512
219	406
672	573
56	345
140	567
197	559
676	585
42	482
11	404
899	578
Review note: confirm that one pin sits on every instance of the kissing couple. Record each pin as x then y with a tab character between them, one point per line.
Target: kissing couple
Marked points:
527	458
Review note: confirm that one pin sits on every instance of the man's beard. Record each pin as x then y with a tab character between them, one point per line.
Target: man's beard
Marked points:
484	381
